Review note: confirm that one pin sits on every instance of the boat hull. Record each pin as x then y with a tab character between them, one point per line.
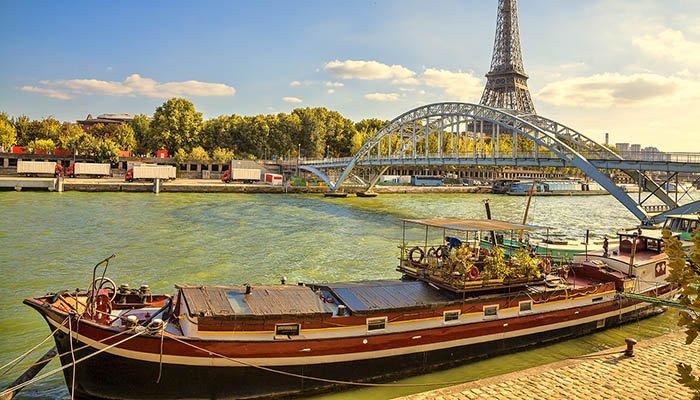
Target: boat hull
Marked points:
111	376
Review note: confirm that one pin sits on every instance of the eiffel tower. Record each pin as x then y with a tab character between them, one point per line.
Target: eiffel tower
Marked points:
506	85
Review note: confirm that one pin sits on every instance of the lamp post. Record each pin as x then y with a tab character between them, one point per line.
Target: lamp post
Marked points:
298	157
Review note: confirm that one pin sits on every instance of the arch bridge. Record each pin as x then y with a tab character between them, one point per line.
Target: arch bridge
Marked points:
464	134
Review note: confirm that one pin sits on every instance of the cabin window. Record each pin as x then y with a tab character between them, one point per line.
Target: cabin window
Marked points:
376	324
597	299
491	311
525	306
287	329
450	316
693	226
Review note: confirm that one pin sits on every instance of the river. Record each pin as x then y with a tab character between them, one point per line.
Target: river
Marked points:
51	241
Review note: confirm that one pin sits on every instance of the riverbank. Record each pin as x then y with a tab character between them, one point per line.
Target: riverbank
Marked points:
609	374
216	186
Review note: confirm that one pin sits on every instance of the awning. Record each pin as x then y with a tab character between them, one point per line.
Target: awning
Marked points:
473	225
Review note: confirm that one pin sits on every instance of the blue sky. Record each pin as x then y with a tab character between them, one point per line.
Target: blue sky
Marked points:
630	68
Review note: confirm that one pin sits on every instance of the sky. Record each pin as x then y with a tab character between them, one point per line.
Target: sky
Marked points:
630	68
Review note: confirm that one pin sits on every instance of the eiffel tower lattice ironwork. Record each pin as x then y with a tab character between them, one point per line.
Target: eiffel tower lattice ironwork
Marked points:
506	85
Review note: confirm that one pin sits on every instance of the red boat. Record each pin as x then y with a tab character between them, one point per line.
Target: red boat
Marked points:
454	302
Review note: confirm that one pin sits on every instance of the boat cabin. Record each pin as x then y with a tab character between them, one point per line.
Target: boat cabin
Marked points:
684	224
451	256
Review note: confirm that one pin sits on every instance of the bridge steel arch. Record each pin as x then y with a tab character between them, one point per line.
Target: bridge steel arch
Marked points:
414	128
593	149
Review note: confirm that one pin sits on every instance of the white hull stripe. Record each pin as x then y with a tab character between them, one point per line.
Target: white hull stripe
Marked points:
310	359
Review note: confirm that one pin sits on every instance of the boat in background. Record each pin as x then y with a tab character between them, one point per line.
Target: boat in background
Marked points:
454	302
555	188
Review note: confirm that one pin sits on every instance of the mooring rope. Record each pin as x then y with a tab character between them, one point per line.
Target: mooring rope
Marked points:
57	370
12	364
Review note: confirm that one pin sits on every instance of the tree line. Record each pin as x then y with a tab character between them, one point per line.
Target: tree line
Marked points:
179	128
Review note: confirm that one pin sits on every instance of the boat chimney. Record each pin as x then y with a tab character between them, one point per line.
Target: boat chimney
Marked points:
248	289
341	310
283	281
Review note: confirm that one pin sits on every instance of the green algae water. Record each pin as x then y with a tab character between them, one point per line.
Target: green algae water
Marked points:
51	241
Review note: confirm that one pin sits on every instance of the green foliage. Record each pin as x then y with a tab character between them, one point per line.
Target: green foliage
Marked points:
145	143
22	124
106	151
176	125
45	145
121	135
495	265
8	133
688	379
222	155
685	274
181	157
199	154
71	136
524	265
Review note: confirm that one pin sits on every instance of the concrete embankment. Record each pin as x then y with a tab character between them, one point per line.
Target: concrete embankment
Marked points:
650	374
216	186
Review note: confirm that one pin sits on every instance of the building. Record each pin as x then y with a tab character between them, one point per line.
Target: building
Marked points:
105	119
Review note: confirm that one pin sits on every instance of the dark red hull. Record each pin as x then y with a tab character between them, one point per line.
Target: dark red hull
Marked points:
112	376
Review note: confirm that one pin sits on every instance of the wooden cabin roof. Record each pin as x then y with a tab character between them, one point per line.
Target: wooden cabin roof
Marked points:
264	300
387	294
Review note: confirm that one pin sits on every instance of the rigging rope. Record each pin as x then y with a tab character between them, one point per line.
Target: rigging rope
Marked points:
57	370
24	355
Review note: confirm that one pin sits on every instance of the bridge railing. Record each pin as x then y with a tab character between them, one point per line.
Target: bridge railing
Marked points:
678	157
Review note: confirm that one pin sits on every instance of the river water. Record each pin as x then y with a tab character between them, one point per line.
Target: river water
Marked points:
50	241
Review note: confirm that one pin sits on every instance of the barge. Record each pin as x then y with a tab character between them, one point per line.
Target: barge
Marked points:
454	302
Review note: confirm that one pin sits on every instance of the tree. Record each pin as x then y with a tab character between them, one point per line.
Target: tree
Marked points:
21	124
180	157
141	125
685	273
199	154
8	133
219	132
222	155
121	135
176	125
71	136
42	145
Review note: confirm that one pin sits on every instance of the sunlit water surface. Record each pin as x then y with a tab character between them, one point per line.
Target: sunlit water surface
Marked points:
50	241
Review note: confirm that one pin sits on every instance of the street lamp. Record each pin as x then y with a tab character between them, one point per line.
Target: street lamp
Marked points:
298	157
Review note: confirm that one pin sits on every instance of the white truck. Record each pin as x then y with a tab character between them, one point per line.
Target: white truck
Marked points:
245	175
35	168
150	171
88	169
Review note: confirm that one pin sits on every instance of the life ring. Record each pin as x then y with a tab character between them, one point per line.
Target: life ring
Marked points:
432	253
441	252
473	273
412	253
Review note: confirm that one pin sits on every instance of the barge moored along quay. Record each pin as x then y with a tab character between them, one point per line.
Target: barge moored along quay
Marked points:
454	303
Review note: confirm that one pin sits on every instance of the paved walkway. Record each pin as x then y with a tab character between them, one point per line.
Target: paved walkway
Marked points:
650	374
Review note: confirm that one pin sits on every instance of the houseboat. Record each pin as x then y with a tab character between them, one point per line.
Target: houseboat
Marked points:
555	188
454	302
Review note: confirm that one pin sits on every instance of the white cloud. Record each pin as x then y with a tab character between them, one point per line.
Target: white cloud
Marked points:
335	84
292	100
331	91
382	96
133	85
366	70
463	86
294	83
54	94
670	45
614	89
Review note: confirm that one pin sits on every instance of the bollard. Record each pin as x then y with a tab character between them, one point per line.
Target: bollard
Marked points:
629	351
